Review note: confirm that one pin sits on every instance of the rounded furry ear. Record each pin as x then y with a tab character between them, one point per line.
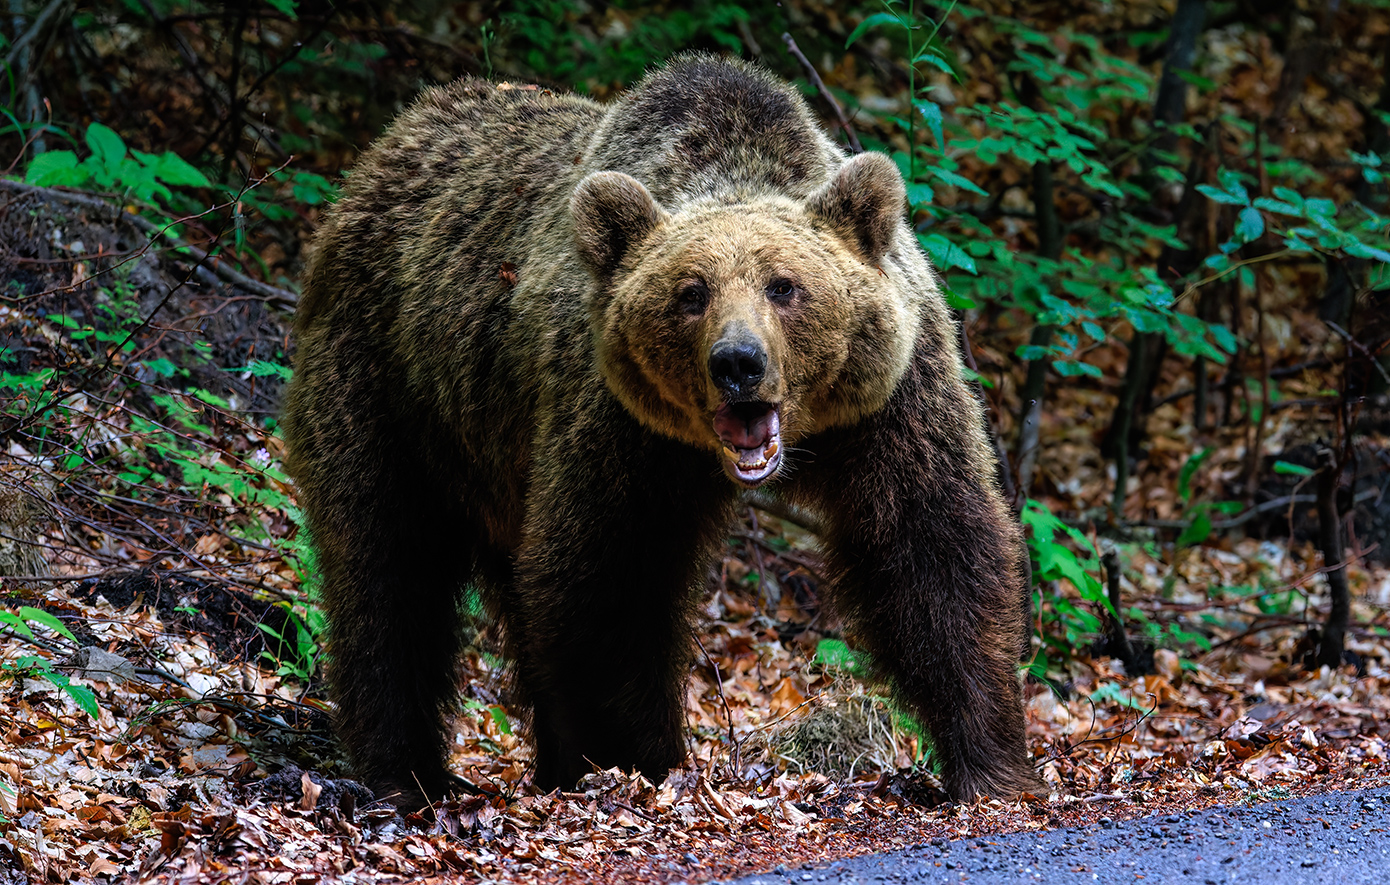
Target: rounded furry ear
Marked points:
612	212
864	202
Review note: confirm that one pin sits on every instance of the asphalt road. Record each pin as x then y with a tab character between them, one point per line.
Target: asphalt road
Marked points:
1335	838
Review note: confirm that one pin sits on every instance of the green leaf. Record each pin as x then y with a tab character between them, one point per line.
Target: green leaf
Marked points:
973	376
1290	196
919	194
931	112
1197	532
174	169
835	653
1272	205
83	697
873	21
1231	183
106	146
55	167
1288	469
960	181
39	616
936	61
1115	694
946	254
1250	224
16	624
161	366
266	369
1202	83
1072	368
1220	196
1225	338
959	301
1319	208
1188	469
288	7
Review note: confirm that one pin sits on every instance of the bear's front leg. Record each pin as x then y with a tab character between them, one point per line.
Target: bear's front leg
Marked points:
928	569
621	525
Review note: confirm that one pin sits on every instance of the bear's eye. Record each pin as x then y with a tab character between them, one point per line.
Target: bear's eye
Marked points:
692	298
781	291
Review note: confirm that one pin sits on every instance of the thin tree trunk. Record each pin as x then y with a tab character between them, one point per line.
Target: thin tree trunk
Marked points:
1170	106
1333	555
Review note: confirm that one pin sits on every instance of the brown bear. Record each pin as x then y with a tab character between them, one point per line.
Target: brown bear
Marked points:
544	344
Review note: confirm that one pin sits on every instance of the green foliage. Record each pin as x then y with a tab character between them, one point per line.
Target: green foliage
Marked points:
297	645
835	654
540	35
1078	294
1065	624
112	167
19	622
36	667
1115	693
306	189
492	711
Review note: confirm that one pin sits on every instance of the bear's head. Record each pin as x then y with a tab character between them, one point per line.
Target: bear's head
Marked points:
743	327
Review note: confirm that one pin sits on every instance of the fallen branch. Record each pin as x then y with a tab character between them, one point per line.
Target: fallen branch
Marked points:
282	298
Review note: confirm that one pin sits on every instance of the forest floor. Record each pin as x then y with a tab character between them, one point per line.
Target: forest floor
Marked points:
169	781
202	763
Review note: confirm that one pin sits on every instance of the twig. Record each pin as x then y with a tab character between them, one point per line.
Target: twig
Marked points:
763	589
1006	477
782	510
1361	347
825	93
1240	519
766	725
789	555
33	31
735	757
281	298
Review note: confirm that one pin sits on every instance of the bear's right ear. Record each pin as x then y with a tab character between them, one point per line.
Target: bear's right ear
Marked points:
864	202
612	212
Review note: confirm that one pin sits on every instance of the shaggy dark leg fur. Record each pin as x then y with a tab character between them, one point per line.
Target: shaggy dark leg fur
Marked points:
392	562
926	559
607	581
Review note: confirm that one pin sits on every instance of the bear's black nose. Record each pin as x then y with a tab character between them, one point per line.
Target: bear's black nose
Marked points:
737	364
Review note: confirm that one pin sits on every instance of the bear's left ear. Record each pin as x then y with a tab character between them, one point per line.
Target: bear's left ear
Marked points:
612	212
864	202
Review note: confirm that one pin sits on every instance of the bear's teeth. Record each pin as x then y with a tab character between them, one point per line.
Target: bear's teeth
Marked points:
731	454
757	466
770	450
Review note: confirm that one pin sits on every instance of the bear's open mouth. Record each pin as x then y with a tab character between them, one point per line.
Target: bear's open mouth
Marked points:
751	438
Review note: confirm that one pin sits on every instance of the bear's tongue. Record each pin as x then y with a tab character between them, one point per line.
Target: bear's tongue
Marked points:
745	425
752	438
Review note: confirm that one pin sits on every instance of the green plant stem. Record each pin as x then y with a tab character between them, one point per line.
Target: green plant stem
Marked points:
1034	385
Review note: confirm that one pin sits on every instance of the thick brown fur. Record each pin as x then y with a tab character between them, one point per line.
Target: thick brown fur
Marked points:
503	379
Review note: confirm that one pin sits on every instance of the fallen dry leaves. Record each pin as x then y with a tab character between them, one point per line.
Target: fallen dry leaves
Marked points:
169	783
